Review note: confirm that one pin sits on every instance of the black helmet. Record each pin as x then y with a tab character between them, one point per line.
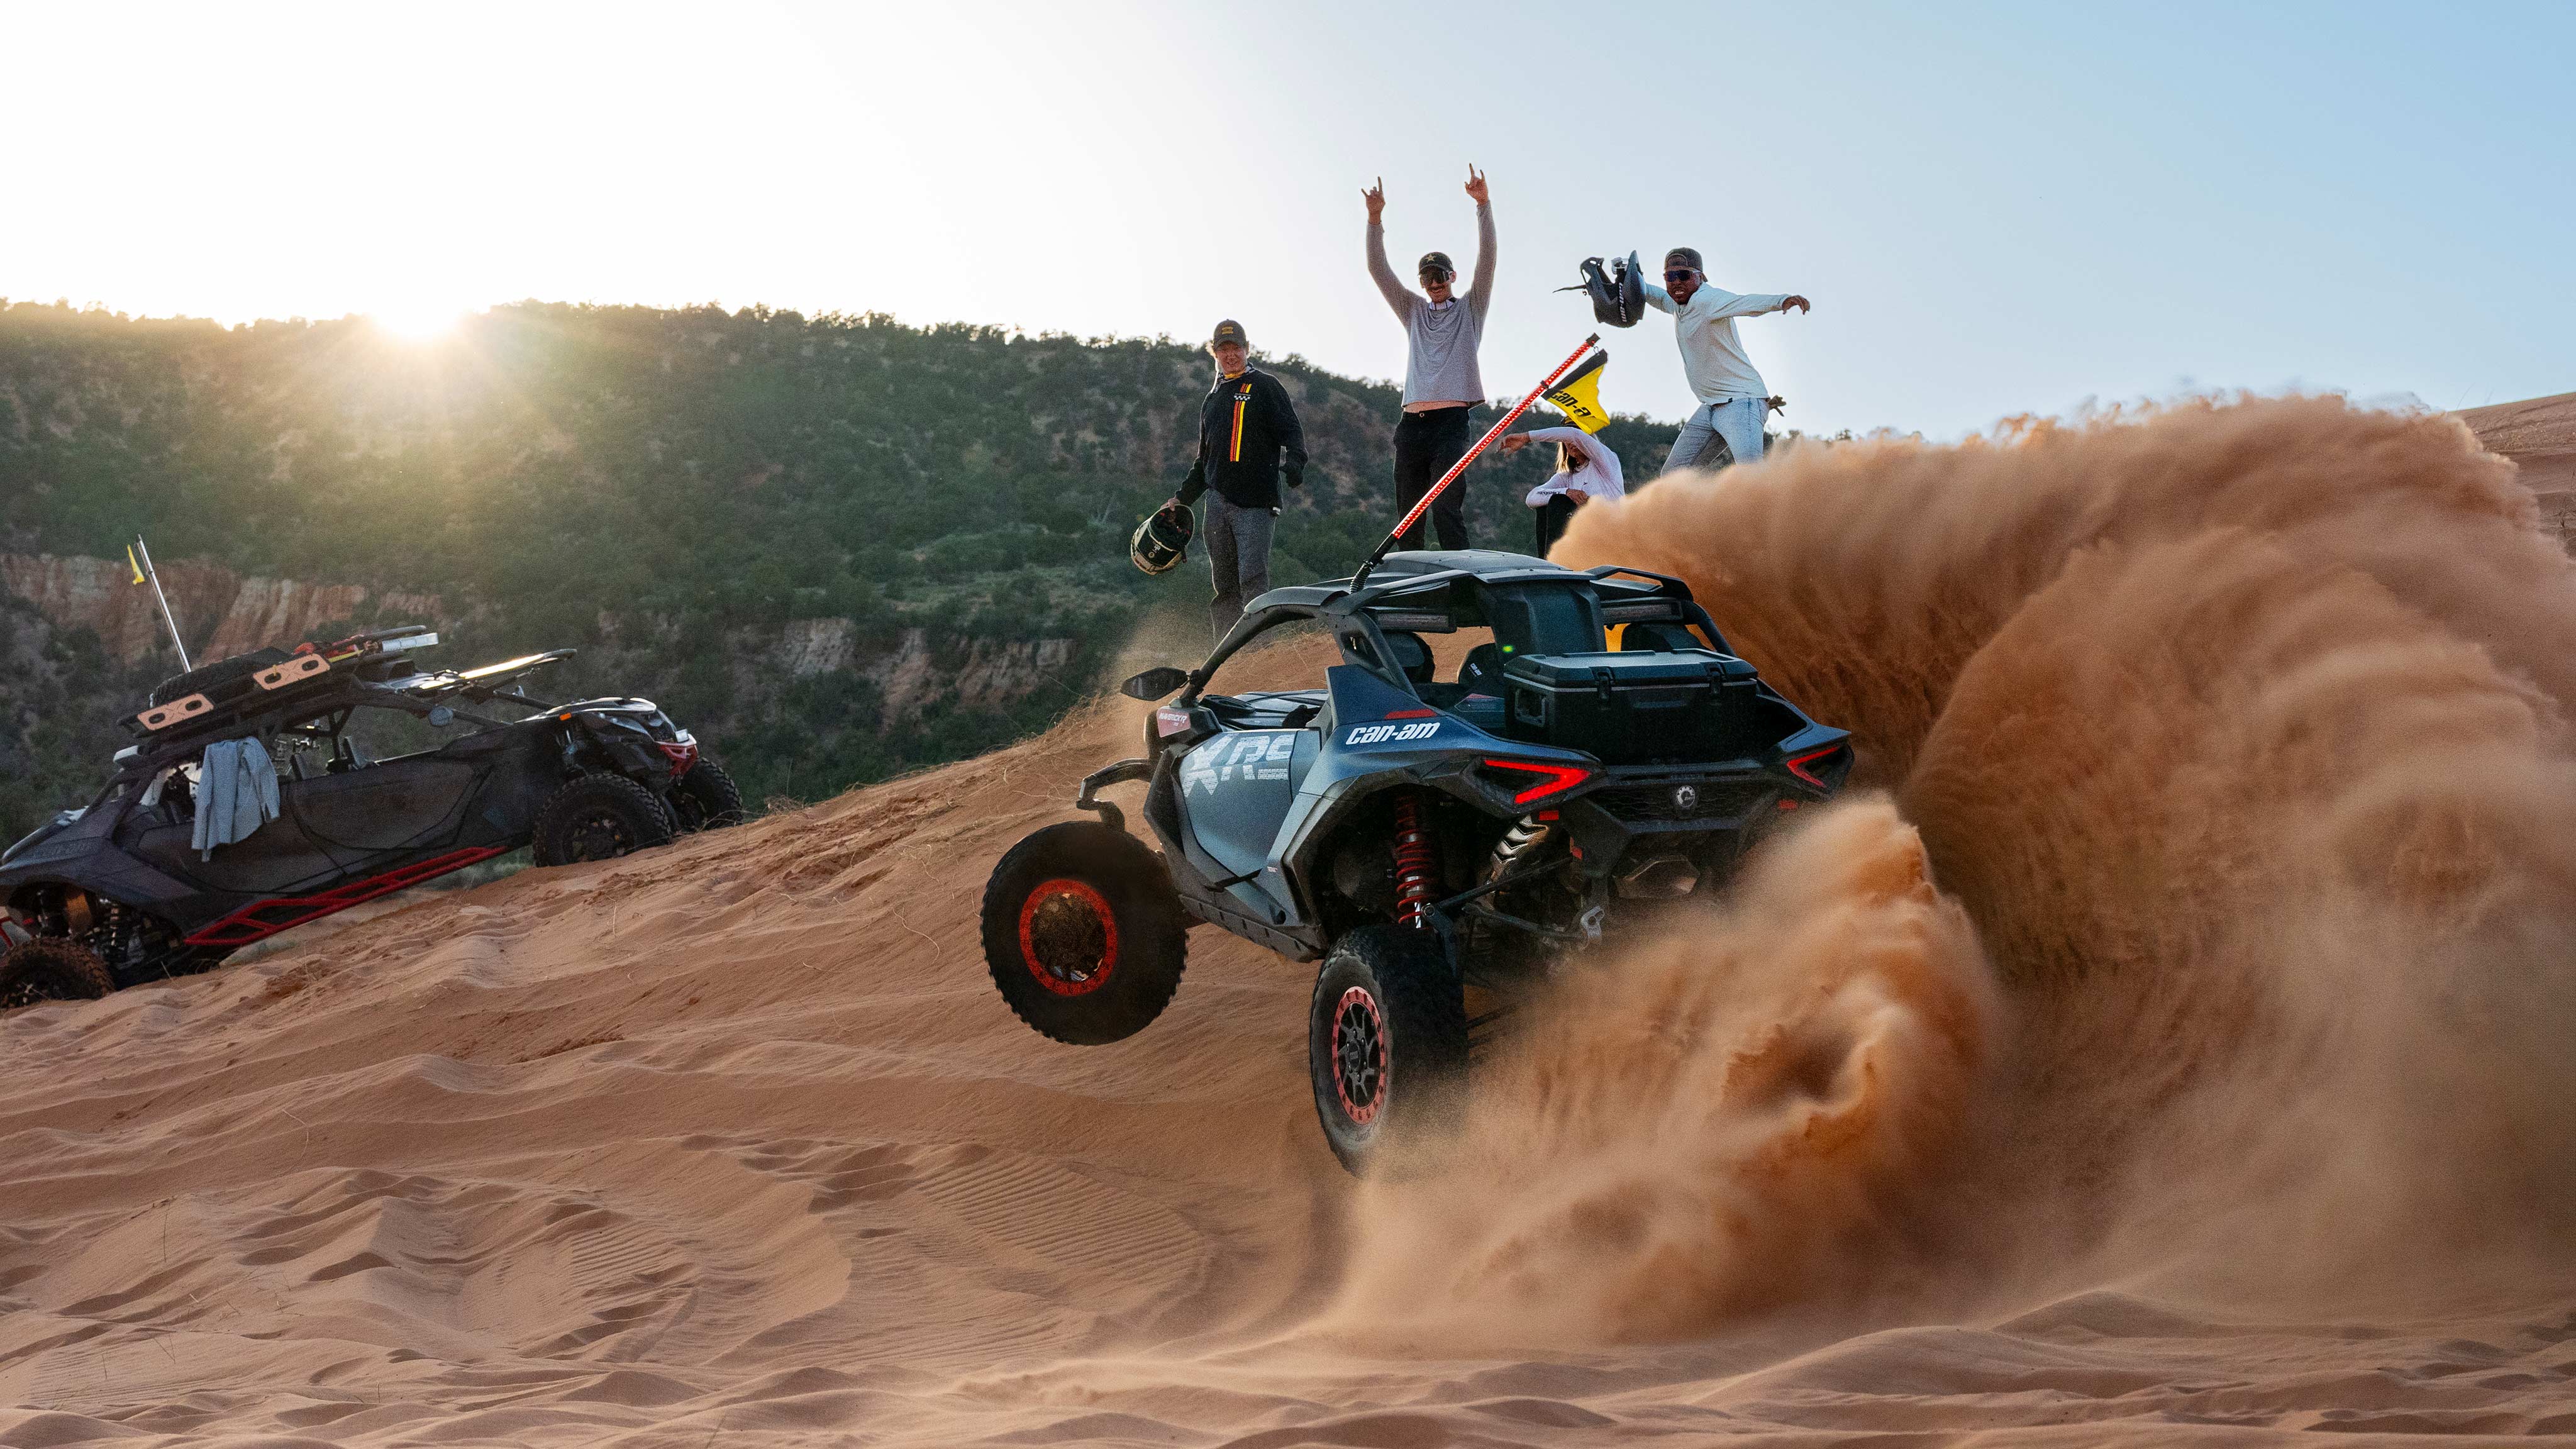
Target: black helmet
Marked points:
1163	539
1619	297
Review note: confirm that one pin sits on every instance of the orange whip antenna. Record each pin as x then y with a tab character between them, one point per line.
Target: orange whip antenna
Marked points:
1360	580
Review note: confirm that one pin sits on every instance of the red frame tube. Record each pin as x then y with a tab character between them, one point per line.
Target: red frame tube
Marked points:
1491	433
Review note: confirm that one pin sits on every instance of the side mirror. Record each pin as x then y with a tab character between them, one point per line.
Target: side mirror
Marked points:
1155	683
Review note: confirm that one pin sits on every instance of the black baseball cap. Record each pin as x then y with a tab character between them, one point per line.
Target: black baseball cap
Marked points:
1435	262
1229	330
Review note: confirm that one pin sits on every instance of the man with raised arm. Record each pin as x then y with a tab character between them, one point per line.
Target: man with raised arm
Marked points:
1732	399
1441	384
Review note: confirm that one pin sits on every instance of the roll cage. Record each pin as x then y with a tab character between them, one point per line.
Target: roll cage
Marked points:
1360	619
330	702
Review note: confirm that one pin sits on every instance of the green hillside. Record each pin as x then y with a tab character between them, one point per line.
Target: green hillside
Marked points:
669	489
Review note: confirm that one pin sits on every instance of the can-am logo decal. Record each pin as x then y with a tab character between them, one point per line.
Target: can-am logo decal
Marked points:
1378	734
1258	755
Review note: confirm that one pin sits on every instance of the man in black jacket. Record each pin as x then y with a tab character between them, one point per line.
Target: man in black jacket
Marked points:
1246	427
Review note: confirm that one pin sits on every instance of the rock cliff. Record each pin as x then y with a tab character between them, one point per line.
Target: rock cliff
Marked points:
219	611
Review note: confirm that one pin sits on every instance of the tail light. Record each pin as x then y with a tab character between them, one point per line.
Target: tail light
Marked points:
1534	779
1815	765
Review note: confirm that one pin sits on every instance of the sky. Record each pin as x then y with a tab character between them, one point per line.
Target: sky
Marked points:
1996	210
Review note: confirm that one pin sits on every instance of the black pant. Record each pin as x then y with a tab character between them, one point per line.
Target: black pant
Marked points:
1552	517
1428	444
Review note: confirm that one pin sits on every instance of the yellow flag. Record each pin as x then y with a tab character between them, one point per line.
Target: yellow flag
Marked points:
130	563
1579	395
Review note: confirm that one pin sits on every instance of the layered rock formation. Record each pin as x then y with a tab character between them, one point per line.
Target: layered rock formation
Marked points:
220	612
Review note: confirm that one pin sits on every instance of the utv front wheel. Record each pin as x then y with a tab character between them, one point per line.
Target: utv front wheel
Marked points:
705	798
1386	1044
599	817
1083	933
49	968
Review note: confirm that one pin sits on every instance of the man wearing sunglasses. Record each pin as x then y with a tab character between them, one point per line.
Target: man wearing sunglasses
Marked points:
1441	384
1732	399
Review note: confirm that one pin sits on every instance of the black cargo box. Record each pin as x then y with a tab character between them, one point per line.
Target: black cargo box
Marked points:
1638	708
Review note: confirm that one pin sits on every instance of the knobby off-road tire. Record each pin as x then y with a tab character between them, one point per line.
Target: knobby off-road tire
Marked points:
1386	1044
705	798
599	817
50	968
1083	933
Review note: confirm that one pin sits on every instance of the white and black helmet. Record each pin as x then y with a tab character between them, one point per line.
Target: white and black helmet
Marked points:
1163	539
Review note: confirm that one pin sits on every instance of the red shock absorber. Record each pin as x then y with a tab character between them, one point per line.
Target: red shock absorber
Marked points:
1417	863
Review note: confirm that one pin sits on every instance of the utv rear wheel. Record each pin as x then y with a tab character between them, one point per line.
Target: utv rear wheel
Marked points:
1386	1044
705	798
599	817
50	968
1083	933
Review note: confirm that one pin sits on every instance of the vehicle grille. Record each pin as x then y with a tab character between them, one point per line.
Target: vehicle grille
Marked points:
1718	800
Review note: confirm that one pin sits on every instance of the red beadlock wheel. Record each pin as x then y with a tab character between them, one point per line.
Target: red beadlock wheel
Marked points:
1083	934
1359	1055
1386	1044
1069	937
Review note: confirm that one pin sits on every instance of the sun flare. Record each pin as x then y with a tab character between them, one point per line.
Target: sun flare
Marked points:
418	320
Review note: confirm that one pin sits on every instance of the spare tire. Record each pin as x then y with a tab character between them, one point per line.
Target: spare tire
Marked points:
216	681
50	968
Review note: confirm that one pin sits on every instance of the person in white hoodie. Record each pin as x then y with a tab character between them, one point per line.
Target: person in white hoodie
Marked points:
1586	469
1732	398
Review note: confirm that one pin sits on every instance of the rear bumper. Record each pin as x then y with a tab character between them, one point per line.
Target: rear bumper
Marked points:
1708	817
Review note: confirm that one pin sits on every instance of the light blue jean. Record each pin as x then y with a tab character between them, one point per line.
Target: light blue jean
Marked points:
1737	421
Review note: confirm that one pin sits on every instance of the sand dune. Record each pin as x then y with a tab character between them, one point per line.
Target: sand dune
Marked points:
2539	434
734	1144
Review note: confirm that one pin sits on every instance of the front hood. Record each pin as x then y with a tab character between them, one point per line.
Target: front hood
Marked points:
41	833
626	714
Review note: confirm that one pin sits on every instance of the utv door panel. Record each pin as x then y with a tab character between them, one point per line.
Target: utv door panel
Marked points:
1235	792
398	805
276	859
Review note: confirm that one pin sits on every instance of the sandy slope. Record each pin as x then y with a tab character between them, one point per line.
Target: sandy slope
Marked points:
2539	434
734	1144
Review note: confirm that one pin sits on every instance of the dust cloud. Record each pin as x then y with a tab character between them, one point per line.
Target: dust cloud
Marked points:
2213	931
2167	1040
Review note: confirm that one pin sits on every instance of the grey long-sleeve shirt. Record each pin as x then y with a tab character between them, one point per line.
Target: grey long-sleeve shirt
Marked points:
1440	340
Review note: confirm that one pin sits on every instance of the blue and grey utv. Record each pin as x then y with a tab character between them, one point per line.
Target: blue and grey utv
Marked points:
1436	843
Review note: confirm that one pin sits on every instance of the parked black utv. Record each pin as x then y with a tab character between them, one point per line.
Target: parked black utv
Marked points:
1436	843
388	775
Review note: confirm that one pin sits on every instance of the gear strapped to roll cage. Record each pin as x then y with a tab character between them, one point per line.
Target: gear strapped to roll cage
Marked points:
1386	545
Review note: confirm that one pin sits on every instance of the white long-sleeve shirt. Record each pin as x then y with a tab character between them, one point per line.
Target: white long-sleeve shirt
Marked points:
1712	355
1597	477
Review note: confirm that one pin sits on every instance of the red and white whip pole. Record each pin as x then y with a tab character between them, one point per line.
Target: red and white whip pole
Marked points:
1388	543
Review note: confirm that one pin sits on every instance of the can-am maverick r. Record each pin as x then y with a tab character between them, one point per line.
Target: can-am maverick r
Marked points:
1436	843
116	892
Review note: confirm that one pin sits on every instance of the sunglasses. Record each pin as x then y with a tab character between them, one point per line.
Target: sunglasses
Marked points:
1429	277
1675	279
